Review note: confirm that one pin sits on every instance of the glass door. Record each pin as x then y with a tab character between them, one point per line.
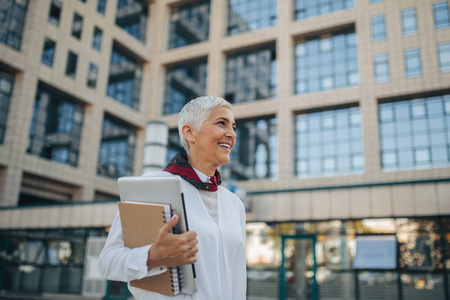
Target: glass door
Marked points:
298	268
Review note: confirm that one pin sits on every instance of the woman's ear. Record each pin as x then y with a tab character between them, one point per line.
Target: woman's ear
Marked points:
188	132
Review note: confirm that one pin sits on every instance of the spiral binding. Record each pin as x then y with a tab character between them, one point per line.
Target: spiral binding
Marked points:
175	277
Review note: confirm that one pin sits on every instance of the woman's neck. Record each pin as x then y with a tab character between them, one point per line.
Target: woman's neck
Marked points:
201	166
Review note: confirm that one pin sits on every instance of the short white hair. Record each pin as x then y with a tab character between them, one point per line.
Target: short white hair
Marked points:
195	112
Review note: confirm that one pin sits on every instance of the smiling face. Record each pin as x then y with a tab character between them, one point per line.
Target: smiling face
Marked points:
211	146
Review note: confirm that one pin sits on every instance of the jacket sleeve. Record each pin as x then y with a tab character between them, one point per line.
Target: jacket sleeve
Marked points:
120	263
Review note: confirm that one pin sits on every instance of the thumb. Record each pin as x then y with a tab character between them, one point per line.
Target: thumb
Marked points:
169	225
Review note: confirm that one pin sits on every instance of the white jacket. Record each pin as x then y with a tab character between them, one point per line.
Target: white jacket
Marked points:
220	266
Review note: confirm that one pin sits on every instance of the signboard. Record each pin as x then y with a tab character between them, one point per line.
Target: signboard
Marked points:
376	252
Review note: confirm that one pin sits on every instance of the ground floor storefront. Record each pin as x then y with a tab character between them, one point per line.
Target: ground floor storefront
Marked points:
388	258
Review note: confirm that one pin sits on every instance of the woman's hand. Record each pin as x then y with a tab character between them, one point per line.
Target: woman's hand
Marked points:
173	250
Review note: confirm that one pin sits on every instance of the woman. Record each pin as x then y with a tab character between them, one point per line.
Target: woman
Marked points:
216	216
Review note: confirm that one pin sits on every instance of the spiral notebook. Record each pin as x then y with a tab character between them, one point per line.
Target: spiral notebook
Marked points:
141	222
165	190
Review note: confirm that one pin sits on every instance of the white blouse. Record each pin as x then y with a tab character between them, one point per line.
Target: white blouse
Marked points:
221	264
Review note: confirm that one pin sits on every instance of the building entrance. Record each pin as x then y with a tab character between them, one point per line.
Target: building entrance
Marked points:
298	268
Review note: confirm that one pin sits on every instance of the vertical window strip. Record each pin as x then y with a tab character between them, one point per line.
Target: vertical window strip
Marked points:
441	15
381	68
413	65
444	57
378	28
6	87
409	22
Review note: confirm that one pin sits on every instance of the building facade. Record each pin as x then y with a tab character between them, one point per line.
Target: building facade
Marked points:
343	136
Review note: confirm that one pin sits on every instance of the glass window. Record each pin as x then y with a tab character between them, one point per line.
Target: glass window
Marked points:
413	66
131	16
312	8
48	53
416	133
71	65
444	57
77	25
251	75
326	63
250	15
441	15
101	6
6	85
92	76
409	21
189	24
255	154
381	68
329	143
97	39
375	1
124	82
56	127
55	12
183	83
378	29
116	157
12	21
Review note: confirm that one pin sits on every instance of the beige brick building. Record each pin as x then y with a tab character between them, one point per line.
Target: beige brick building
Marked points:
343	108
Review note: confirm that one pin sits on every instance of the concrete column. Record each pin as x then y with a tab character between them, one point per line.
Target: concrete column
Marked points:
155	149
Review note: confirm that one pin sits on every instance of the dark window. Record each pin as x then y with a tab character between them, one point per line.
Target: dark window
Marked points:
55	131
255	154
189	24
441	15
251	75
55	12
329	143
378	28
132	17
381	68
54	258
312	8
101	6
124	83
77	25
244	15
71	65
92	76
117	146
409	22
6	86
444	57
97	39
415	133
326	63
413	66
48	53
183	83
12	21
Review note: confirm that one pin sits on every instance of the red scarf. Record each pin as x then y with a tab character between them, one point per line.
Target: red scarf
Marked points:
179	165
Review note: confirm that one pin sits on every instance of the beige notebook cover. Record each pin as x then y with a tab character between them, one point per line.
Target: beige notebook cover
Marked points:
140	227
